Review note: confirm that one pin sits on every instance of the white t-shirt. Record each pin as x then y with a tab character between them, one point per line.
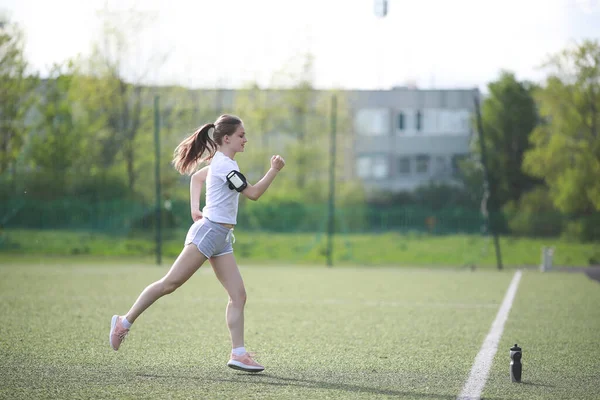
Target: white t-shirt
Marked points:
221	202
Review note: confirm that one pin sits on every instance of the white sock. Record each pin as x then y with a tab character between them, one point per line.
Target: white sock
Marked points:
239	351
126	324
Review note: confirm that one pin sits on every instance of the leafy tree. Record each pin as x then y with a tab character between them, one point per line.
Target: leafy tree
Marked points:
307	126
566	147
296	123
534	214
181	112
16	93
508	116
262	113
56	146
112	88
304	126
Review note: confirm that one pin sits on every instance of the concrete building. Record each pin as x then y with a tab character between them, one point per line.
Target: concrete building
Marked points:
407	137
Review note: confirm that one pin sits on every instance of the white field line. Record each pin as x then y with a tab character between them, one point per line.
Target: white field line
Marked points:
483	362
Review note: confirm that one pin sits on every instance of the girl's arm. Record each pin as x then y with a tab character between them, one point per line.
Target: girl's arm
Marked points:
196	184
253	192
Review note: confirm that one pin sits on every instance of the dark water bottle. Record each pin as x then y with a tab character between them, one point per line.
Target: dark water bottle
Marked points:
515	363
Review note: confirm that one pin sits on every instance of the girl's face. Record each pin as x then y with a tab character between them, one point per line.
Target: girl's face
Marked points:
237	140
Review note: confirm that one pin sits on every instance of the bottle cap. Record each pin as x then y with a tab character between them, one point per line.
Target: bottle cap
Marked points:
515	348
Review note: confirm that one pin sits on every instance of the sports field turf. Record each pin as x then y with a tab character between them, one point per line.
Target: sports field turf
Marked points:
321	333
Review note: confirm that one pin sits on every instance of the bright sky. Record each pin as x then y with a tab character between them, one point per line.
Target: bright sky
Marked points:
227	43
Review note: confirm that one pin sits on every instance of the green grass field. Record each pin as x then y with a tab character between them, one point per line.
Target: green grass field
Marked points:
348	332
310	248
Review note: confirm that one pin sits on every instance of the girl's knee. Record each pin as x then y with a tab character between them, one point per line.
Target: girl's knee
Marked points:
238	298
169	286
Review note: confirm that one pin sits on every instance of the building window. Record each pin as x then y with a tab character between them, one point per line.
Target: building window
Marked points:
380	168
455	121
419	121
401	121
422	164
404	165
372	166
373	121
363	167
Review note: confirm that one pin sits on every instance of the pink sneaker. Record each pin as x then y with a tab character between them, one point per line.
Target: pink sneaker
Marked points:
244	363
117	332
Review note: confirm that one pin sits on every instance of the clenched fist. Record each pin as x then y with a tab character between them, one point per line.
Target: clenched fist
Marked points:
196	215
277	162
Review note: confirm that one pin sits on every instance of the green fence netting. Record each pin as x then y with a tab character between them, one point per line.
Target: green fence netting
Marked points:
123	217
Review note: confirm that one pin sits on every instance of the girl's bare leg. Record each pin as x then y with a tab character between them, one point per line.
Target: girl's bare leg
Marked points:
189	261
228	273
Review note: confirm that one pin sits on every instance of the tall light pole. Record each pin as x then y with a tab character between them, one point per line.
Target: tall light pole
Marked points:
331	213
488	187
381	8
157	181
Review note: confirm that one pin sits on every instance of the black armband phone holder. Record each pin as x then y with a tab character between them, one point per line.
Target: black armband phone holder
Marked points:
236	181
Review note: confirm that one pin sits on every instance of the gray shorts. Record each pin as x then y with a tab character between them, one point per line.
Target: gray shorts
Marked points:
212	239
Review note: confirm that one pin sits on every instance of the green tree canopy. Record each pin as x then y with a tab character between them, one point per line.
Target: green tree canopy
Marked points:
509	116
16	88
566	147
